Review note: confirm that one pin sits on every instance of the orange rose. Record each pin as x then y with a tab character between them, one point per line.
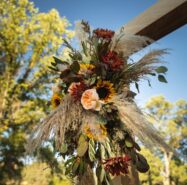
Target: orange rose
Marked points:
90	100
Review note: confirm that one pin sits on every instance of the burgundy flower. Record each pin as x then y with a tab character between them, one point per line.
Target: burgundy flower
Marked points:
76	89
113	60
104	33
117	165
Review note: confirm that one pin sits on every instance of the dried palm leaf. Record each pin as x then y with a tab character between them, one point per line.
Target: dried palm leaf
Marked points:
128	44
146	65
135	121
67	116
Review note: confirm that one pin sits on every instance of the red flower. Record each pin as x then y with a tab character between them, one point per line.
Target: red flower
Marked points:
113	60
104	33
76	89
117	165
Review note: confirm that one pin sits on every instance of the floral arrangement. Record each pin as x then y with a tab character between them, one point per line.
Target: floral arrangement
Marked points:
95	120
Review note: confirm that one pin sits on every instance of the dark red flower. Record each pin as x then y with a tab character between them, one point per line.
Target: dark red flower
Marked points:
117	165
76	89
104	33
113	60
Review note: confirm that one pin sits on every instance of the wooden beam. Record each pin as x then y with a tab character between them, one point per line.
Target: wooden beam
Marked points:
159	20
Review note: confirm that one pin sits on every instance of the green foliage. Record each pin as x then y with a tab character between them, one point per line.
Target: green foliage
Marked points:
91	150
170	119
141	164
28	39
161	78
161	69
37	174
40	174
82	146
154	175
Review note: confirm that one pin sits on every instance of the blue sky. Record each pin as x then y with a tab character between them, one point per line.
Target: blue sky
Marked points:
112	14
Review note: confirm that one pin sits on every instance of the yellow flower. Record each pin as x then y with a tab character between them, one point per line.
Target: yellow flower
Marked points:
96	132
86	69
90	100
105	90
56	100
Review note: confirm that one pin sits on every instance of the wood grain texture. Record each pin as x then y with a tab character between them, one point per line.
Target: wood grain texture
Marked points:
159	20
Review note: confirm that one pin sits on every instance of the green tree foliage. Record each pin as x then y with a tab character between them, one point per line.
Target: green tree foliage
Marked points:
171	120
40	174
28	39
37	174
153	176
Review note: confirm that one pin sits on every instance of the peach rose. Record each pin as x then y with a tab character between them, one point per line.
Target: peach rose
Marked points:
90	100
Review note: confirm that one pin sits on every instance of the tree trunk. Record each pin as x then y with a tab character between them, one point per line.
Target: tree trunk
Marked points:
167	160
149	177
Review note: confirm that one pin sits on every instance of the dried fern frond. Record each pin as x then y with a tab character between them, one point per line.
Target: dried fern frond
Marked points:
153	57
128	44
133	72
145	66
67	116
136	122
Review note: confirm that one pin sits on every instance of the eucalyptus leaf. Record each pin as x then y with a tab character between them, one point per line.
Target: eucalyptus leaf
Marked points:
75	166
161	78
108	149
137	87
141	164
106	180
102	175
82	139
64	148
92	80
82	146
102	151
133	155
109	180
98	172
91	150
81	167
152	74
75	67
84	48
53	64
137	147
52	68
149	83
161	69
129	142
81	150
69	161
57	60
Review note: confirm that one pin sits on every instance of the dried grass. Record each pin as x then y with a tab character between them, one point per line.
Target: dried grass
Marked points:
128	44
135	121
67	116
146	65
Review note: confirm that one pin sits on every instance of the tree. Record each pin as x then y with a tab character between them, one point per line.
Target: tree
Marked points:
170	120
40	174
28	39
153	176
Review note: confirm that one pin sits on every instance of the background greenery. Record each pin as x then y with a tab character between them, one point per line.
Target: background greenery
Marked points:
28	40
